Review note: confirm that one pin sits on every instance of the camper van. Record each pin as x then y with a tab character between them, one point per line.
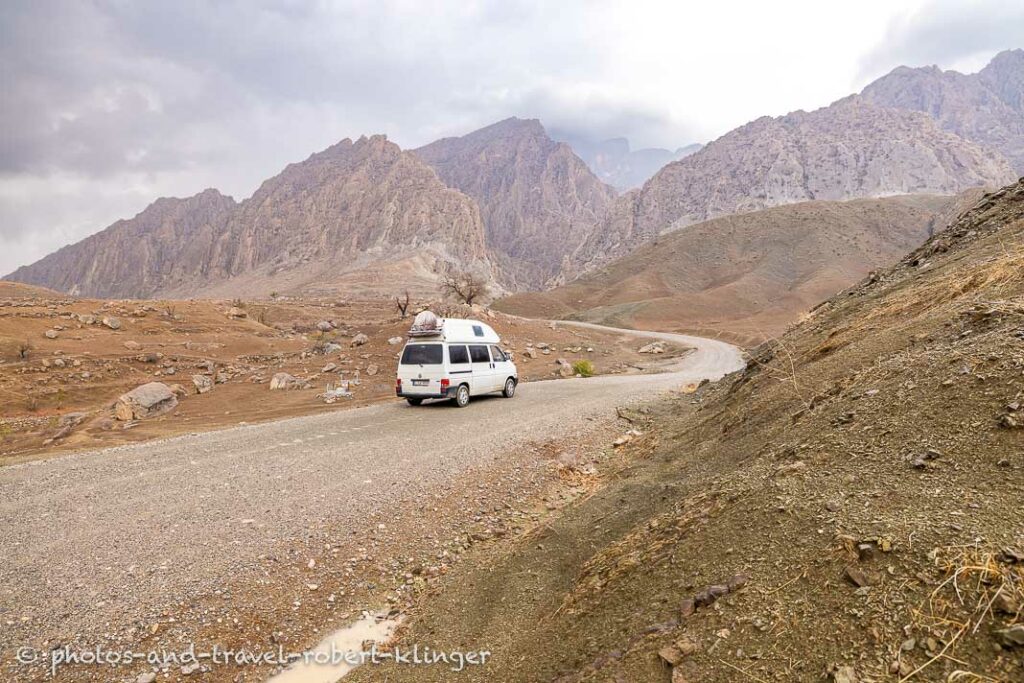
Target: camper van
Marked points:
453	359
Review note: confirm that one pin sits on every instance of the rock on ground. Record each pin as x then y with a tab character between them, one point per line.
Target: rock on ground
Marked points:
148	400
202	383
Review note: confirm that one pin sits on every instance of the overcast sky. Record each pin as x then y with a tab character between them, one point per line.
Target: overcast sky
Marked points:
108	104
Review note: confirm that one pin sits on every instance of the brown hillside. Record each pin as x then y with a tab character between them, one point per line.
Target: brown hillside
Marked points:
748	275
848	508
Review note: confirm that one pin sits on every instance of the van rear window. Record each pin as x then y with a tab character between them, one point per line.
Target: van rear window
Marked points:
422	354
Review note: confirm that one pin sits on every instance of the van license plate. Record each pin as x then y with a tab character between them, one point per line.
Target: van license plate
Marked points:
420	382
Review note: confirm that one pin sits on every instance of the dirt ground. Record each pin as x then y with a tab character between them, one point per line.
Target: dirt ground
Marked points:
56	393
847	509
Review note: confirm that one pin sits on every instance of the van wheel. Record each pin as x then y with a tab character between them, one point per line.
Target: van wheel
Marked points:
510	388
461	396
414	401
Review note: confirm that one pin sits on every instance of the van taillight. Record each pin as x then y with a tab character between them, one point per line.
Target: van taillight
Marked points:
398	385
444	384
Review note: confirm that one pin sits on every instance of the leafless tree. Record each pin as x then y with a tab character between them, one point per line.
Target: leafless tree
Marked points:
465	286
403	303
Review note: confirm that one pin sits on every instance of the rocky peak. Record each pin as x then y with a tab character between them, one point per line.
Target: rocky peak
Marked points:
986	108
849	149
1005	76
352	208
539	201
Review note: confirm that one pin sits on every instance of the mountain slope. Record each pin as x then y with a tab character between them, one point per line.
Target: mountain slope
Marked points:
538	200
345	217
986	107
747	275
164	246
846	150
847	508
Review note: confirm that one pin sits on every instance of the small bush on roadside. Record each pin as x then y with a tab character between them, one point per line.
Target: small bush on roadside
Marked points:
583	368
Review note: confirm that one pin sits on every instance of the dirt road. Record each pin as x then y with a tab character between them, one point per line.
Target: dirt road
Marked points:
97	541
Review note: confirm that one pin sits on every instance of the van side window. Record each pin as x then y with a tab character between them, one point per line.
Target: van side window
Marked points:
498	355
479	354
458	354
478	331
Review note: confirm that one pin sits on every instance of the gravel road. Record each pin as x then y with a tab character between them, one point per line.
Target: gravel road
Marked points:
96	540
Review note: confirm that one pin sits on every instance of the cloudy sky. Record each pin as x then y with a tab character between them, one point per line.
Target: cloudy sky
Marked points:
108	104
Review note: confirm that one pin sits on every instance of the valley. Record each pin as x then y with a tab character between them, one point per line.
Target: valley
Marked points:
766	416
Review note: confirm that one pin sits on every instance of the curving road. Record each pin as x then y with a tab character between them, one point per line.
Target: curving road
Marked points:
95	540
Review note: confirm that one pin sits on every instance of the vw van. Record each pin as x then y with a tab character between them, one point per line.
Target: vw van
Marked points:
453	359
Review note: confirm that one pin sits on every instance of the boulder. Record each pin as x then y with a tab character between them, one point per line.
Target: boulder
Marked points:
202	383
360	339
564	368
148	400
283	380
50	334
394	341
132	345
653	347
111	322
529	352
372	369
236	312
325	326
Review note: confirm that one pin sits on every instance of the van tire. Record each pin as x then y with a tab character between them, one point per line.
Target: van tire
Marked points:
461	399
510	388
414	401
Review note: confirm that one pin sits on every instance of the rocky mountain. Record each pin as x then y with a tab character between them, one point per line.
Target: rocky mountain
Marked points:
747	275
539	201
849	149
355	215
986	107
615	163
165	246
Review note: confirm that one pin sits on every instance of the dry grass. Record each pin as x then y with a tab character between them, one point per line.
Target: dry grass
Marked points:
975	578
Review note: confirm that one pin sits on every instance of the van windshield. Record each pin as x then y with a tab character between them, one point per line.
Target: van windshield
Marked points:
422	354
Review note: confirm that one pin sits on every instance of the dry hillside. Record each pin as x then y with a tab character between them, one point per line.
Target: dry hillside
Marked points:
749	275
64	361
846	509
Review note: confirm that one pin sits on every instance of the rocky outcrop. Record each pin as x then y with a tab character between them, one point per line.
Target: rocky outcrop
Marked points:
358	213
849	149
986	107
539	201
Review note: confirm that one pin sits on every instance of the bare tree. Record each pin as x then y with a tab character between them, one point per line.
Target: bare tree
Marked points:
465	286
403	303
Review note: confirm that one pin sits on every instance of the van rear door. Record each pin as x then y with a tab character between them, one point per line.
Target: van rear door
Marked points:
421	368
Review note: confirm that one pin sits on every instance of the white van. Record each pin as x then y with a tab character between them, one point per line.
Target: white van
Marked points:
454	359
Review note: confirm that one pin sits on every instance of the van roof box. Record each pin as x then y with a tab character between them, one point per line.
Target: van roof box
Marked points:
427	324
